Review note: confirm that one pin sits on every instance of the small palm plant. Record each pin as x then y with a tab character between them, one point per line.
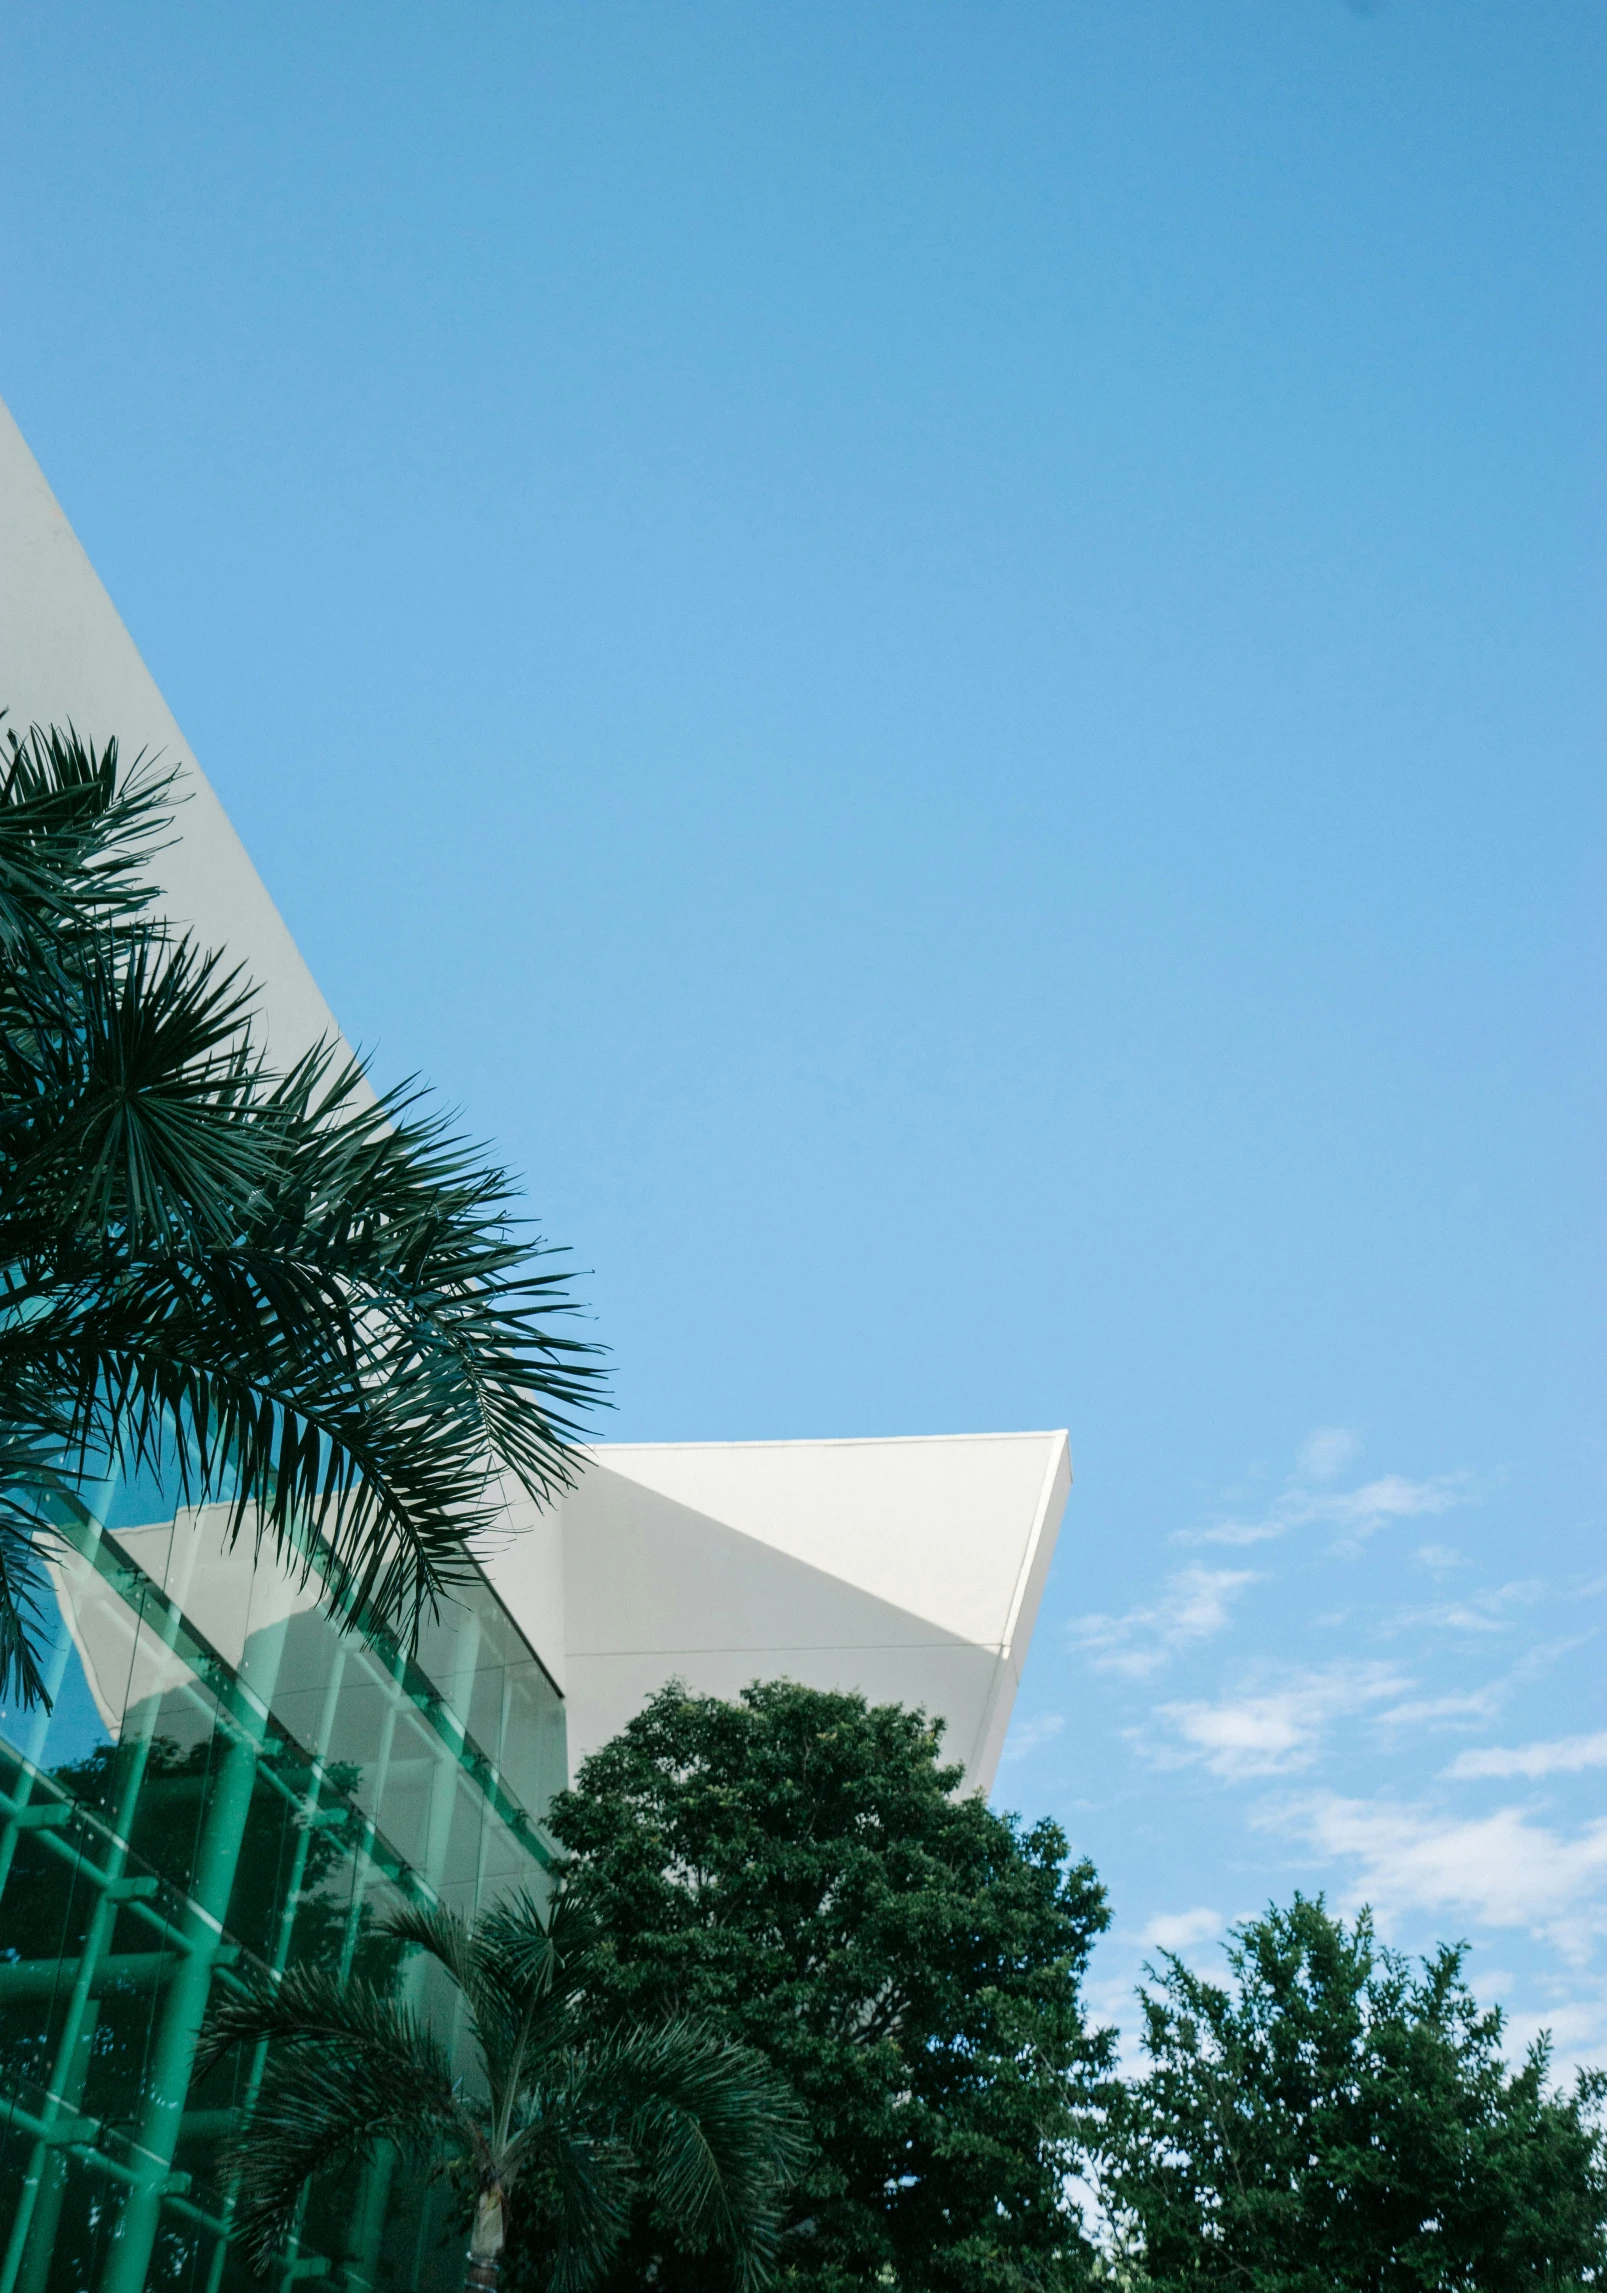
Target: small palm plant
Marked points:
593	2115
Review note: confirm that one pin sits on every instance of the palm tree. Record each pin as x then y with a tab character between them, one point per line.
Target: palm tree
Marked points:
274	1286
704	2123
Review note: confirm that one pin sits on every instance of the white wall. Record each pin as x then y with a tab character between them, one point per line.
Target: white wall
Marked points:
65	655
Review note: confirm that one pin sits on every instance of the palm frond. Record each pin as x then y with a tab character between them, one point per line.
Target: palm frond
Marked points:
723	2134
76	829
444	1934
350	2069
525	1950
418	1216
130	1118
310	2007
705	2124
29	1480
503	1966
715	2131
595	2177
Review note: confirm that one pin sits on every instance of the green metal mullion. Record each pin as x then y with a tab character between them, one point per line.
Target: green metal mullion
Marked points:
401	1874
167	2080
281	1949
240	1713
187	2210
78	2135
52	2136
504	1714
477	1764
33	2232
39	1978
373	2189
131	2177
141	1593
133	1895
291	2265
317	1553
394	1866
427	1699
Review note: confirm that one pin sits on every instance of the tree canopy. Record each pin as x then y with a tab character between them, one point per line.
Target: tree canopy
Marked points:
800	1869
1332	2121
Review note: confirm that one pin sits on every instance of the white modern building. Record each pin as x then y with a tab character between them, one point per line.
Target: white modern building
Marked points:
910	1569
224	1774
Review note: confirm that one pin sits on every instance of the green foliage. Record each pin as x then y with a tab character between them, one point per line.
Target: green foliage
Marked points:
563	2107
1333	2120
797	1867
269	1286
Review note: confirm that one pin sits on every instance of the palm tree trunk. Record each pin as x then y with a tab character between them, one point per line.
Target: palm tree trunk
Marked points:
484	2271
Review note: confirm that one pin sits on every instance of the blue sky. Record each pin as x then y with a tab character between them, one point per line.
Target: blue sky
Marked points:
945	661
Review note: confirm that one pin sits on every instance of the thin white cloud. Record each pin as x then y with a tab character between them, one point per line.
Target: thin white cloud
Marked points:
1391	1498
1503	1869
1487	1611
1357	1513
1326	1450
1026	1735
1360	1512
1179	1930
1474	1707
1564	1755
1195	1606
1271	1730
1237	1532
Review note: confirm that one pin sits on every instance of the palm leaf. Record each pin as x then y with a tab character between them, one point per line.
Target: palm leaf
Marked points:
446	1936
708	2123
528	1952
76	830
29	1480
505	1988
351	2069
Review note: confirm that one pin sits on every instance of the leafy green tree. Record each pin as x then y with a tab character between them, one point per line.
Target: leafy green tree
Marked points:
561	2103
1332	2120
272	1286
801	1868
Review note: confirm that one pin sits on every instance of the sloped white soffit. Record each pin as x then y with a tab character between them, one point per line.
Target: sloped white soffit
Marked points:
908	1569
65	656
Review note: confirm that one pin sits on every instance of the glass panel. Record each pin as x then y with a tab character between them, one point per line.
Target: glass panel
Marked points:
226	1779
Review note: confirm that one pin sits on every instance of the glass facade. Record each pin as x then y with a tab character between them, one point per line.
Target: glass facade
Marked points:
228	1782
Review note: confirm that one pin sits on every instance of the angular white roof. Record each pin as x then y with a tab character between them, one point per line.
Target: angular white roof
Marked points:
908	1569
